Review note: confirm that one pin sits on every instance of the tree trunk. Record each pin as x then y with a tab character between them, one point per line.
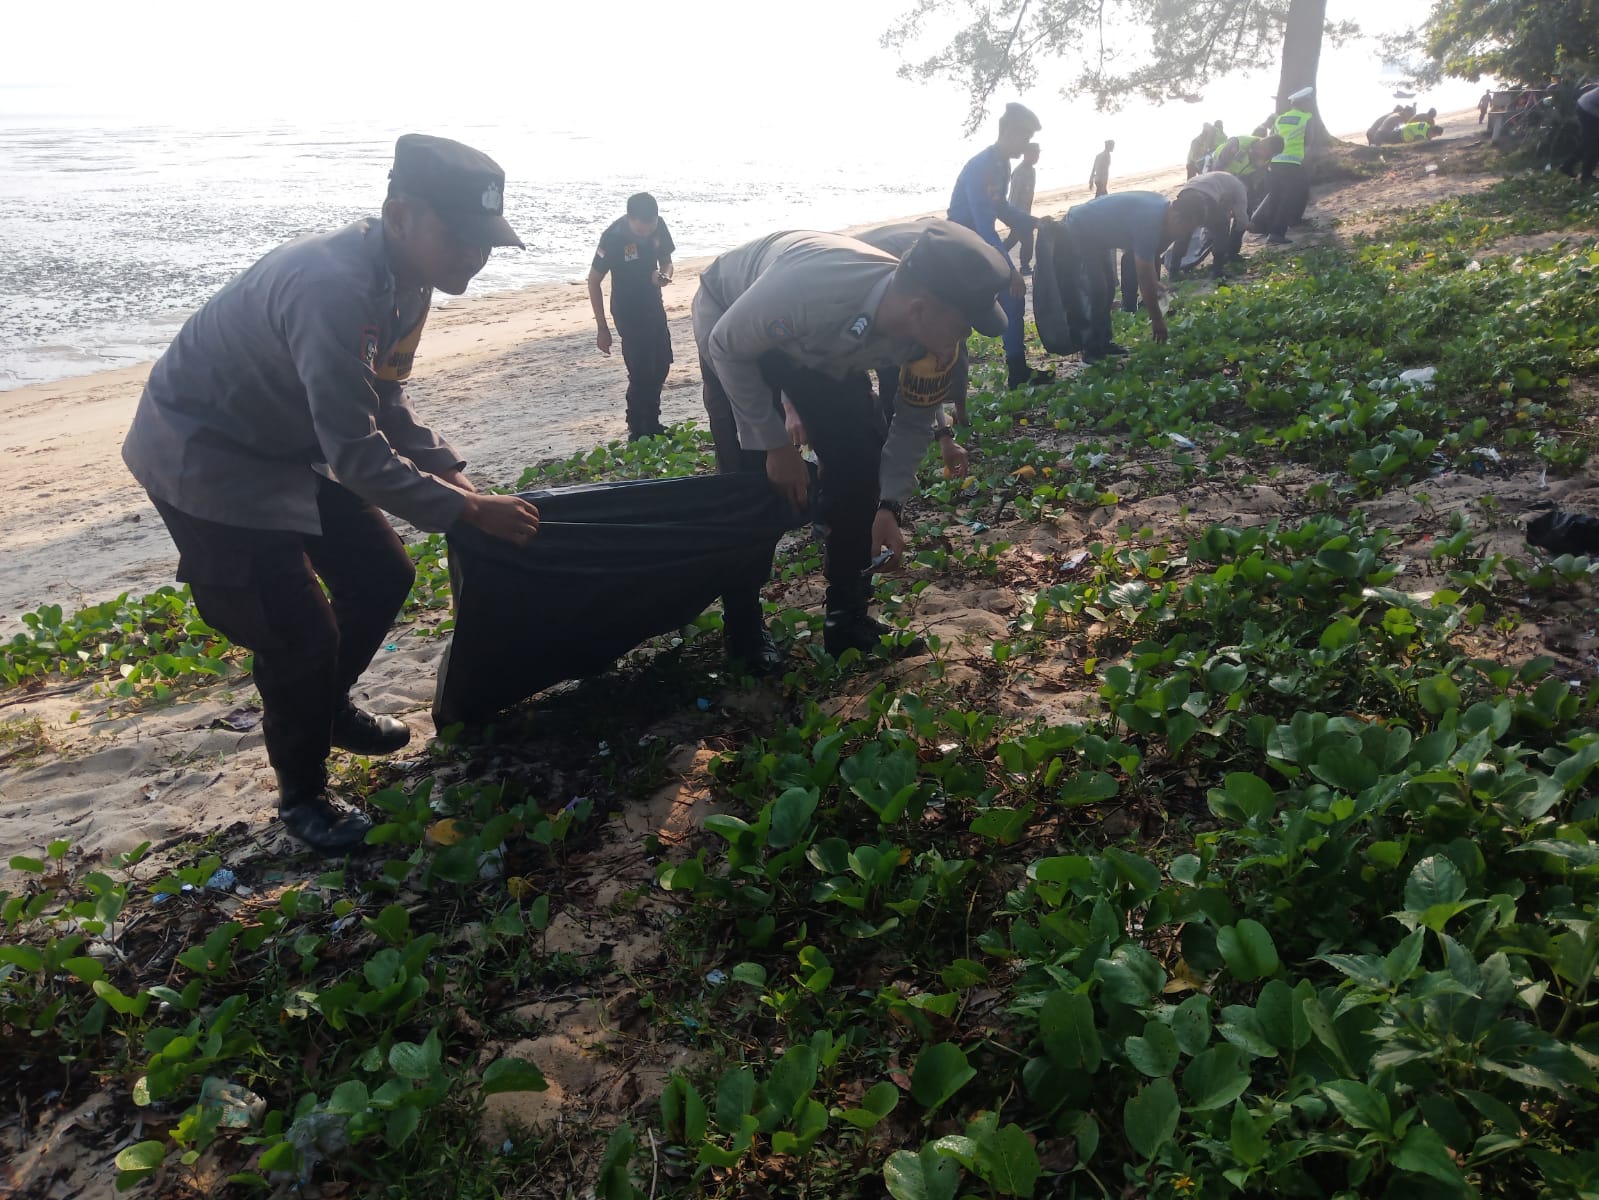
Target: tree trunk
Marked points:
1301	59
1301	47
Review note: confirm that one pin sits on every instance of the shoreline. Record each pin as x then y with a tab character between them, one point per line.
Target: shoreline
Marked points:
510	378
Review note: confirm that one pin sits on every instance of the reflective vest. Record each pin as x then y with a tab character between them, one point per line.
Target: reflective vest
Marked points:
1292	127
1240	163
1416	131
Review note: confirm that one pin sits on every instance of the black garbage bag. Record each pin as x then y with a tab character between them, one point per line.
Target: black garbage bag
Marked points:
613	565
1561	532
1050	274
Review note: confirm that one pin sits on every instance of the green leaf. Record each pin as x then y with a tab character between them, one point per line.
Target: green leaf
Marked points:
402	1124
940	1072
1438	694
614	1181
1423	1152
513	1075
791	815
1087	787
35	866
735	1096
1243	797
1362	1106
1215	1078
25	957
1248	1144
141	1156
1155	1054
927	1175
1002	825
1066	1025
1150	1117
1190	1024
878	1102
1434	880
1248	951
411	1061
1009	1161
126	1005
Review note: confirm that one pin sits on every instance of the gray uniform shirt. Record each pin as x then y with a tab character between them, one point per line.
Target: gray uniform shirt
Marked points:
295	369
811	296
1223	189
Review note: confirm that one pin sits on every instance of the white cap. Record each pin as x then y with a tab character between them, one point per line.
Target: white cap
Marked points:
1304	93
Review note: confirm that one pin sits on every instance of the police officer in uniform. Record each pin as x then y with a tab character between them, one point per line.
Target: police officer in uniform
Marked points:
805	316
636	251
276	426
1288	189
977	203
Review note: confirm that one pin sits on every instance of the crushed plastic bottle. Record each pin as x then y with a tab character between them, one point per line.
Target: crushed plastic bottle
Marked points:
235	1105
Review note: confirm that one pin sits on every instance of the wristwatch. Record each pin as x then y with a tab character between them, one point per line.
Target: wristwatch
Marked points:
890	506
943	431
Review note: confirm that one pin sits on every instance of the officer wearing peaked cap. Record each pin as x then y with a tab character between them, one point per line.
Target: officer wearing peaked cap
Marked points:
805	316
274	429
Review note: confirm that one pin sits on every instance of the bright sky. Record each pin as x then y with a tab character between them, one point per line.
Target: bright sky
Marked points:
700	69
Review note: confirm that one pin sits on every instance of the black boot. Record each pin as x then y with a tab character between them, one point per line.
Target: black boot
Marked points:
1019	374
361	732
851	626
753	652
312	814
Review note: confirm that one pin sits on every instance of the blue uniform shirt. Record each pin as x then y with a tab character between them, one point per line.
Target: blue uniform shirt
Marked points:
1122	221
979	199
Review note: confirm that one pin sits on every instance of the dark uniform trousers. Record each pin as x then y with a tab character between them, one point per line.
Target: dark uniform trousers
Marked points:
844	429
1088	279
260	589
647	354
1287	194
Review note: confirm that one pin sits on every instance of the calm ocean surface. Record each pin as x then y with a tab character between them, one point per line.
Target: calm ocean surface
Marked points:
112	232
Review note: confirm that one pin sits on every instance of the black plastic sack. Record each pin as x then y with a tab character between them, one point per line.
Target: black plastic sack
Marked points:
1561	532
613	565
1052	273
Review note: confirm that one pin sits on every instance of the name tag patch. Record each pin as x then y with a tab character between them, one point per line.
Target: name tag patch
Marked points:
925	383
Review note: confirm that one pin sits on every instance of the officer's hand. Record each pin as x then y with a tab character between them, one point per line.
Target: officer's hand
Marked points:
509	518
887	535
789	475
955	458
660	280
603	339
794	425
1157	325
1018	285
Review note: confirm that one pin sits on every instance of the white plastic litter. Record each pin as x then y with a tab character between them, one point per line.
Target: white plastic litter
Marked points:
1424	376
1180	441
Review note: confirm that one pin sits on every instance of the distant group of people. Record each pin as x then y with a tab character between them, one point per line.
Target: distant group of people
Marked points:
1404	125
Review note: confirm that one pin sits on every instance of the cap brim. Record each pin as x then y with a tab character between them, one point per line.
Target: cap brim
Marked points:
990	321
483	229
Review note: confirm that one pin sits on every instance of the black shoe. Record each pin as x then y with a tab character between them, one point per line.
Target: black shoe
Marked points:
361	732
1027	270
1019	374
1278	239
322	822
857	629
1113	350
755	654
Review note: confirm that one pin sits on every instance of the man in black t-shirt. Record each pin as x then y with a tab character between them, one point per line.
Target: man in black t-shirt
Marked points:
637	253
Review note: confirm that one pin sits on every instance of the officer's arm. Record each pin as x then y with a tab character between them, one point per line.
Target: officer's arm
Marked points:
984	206
1149	290
597	297
761	320
325	330
1011	215
905	447
409	436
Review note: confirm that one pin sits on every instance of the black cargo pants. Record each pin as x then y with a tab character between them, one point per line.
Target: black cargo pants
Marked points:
263	589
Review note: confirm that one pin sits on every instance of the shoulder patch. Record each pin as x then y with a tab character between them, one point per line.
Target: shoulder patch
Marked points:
599	251
859	326
369	347
780	328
